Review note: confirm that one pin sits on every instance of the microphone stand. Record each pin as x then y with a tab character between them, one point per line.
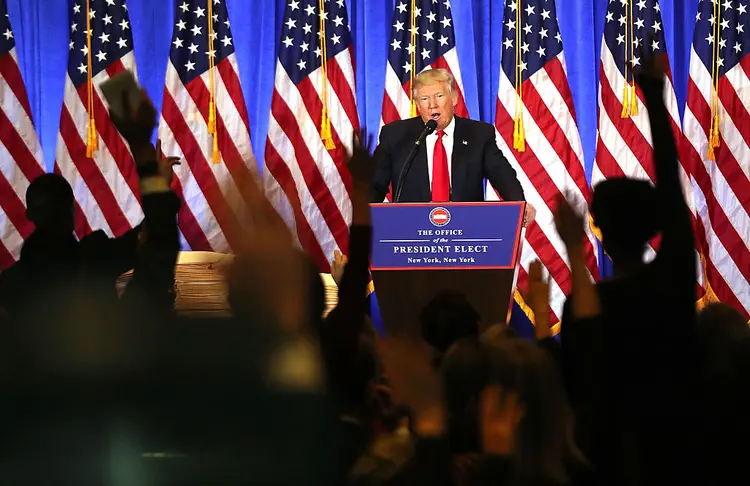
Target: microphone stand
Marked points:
429	128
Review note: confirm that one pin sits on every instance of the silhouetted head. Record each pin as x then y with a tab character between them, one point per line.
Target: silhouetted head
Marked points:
627	213
50	205
448	317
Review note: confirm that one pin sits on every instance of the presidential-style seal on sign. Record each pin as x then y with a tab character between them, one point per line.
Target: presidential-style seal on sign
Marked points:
440	217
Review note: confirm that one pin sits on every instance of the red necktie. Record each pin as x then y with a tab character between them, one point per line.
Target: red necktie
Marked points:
441	184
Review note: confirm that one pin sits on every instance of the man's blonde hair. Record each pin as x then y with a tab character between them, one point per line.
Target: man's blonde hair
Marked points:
432	76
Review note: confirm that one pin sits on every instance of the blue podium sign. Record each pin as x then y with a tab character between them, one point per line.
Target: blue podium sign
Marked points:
447	236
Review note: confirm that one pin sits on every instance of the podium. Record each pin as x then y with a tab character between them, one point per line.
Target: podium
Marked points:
422	249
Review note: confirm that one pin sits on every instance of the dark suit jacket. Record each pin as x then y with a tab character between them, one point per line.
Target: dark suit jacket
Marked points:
472	162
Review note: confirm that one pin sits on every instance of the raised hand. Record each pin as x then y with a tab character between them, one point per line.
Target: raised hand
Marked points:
538	299
361	167
415	381
499	417
137	123
166	163
569	224
652	70
337	266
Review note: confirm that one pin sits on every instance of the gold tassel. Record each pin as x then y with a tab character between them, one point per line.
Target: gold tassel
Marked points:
625	105
633	101
413	109
713	139
91	142
519	135
216	156
325	131
212	117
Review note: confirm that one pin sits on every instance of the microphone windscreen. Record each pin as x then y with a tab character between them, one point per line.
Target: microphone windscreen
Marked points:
431	125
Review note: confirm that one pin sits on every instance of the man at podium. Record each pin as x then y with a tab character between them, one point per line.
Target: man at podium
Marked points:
440	157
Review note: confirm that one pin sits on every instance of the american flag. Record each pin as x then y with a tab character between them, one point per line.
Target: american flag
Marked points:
538	133
717	141
20	152
624	146
204	122
422	38
91	154
312	125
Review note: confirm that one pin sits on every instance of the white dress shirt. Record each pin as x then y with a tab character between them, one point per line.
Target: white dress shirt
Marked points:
430	142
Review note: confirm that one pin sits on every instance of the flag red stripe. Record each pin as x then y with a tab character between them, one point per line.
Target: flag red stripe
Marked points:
735	109
200	169
627	129
6	259
558	77
232	84
606	163
23	158
92	175
280	171
573	165
82	227
550	258
189	226
390	112
310	173
344	92
12	74
722	290
339	156
14	208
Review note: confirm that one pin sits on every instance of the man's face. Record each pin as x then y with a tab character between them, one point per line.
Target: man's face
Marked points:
436	102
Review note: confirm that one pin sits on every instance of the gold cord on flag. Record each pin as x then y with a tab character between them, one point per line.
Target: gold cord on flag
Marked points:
325	120
629	95
519	135
633	95
91	138
713	134
413	56
212	130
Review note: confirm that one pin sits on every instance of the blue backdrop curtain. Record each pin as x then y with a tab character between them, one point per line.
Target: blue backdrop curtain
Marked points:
42	28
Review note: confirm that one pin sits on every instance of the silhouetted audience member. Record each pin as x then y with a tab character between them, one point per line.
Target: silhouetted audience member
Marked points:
723	394
639	434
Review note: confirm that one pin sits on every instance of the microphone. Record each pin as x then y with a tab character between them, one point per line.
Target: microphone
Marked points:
429	127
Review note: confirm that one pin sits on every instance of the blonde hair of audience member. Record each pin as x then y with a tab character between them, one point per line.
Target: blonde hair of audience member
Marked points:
434	92
545	450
